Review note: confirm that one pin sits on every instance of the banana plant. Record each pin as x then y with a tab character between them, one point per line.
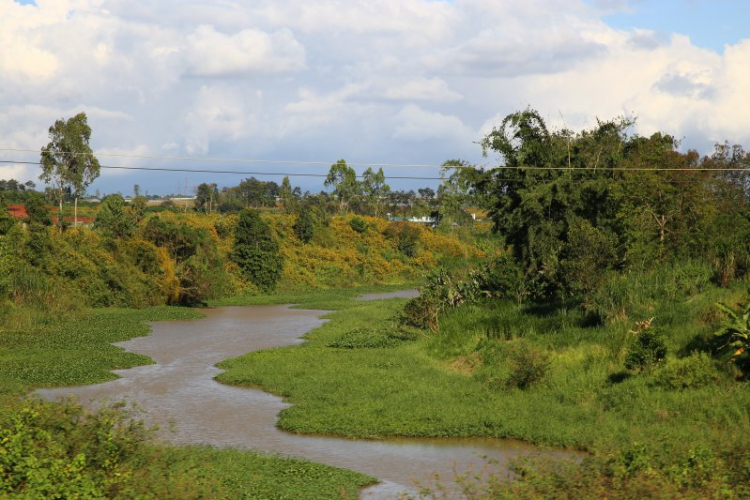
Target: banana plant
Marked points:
736	329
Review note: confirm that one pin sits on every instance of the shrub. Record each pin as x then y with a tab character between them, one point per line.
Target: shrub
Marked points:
406	236
528	365
60	451
735	334
514	364
304	227
421	312
256	252
113	219
358	224
695	371
647	350
503	278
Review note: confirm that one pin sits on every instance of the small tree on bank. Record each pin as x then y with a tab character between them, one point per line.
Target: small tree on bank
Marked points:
256	251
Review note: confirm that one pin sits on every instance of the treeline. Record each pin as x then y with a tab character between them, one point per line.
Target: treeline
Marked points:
578	209
133	258
620	225
371	195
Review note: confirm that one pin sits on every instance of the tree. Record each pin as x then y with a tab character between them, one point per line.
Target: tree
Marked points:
114	219
256	251
375	189
343	178
456	190
68	162
206	197
138	207
555	201
288	195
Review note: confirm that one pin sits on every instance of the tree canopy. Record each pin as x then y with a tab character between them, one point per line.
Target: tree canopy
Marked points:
68	163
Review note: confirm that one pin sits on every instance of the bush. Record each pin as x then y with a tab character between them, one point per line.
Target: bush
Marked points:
528	365
304	227
503	278
406	236
421	312
358	224
695	371
59	451
647	350
256	251
514	364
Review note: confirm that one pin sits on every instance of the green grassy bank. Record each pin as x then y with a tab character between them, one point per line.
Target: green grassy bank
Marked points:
60	451
543	374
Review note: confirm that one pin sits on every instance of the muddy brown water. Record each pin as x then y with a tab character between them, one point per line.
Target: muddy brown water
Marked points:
179	394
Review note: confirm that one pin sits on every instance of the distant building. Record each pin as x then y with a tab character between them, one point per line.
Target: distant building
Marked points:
425	220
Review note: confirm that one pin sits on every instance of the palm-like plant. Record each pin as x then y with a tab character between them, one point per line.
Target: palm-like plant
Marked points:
736	329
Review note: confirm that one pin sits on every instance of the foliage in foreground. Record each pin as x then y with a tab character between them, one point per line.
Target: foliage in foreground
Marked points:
62	451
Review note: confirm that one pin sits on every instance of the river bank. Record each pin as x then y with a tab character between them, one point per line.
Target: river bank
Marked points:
178	393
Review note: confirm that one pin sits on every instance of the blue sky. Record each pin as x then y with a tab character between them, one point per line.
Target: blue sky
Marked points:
709	24
206	83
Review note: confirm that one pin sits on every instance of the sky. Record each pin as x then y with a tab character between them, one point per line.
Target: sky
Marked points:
291	86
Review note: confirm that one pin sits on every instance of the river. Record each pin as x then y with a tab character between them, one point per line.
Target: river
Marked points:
179	394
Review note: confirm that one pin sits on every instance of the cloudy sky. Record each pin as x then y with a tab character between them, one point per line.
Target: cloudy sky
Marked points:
201	84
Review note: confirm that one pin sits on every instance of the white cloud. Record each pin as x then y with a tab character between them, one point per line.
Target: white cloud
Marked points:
413	81
416	124
211	53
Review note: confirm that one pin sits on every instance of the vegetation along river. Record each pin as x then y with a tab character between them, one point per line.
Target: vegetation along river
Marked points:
179	394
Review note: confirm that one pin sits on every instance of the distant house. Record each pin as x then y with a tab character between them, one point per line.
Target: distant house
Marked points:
19	212
424	220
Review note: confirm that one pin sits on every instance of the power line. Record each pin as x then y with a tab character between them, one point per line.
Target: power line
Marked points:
396	177
387	165
232	172
238	160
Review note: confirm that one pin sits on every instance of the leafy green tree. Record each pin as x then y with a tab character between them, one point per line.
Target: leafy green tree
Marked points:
288	196
206	197
68	163
375	190
458	190
138	207
555	197
255	193
114	219
256	251
343	178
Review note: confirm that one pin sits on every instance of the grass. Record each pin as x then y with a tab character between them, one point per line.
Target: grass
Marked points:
545	374
75	351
